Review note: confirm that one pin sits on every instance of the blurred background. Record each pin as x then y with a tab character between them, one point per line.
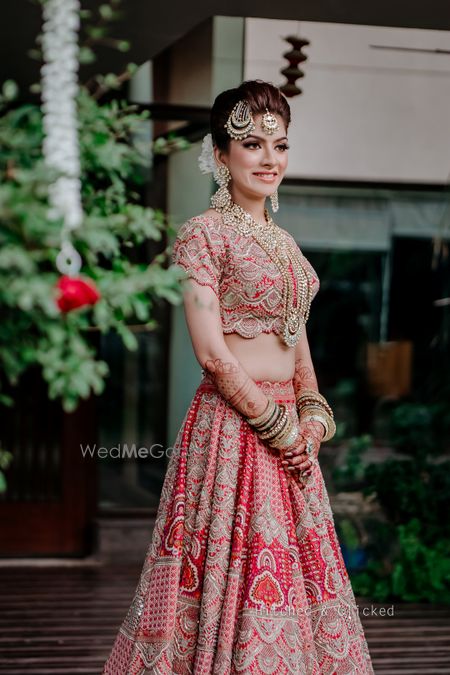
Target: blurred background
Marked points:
366	197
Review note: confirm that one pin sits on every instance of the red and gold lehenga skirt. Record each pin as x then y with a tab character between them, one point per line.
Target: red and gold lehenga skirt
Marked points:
244	573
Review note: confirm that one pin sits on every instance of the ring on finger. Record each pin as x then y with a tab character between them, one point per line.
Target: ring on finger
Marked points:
309	448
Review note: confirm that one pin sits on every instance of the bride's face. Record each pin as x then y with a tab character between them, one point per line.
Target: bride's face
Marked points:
258	163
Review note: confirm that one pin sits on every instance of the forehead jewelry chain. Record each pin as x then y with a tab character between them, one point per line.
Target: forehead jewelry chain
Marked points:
273	240
240	121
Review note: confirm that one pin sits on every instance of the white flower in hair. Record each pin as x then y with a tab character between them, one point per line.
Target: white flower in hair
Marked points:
206	160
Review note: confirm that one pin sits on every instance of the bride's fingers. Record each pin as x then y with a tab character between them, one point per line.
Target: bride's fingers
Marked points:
293	453
305	465
298	478
294	460
294	473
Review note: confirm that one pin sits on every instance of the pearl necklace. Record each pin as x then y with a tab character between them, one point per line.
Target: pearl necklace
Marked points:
273	240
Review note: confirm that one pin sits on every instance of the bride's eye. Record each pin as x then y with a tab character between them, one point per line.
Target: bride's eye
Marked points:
283	146
250	143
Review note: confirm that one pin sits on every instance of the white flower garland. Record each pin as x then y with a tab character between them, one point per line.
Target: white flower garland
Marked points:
59	91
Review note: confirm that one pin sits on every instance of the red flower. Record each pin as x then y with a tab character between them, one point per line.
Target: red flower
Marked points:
75	292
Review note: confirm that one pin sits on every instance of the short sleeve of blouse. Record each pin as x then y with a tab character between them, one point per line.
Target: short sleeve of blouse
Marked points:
199	250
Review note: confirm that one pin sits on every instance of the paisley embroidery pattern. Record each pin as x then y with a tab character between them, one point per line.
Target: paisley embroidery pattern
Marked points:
246	281
244	573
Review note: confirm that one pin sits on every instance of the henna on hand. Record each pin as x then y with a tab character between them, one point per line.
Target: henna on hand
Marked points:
304	377
237	387
296	461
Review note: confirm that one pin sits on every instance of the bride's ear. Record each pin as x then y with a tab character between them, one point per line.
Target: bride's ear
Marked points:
218	155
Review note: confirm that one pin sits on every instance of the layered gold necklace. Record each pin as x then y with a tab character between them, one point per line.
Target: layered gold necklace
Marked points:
280	250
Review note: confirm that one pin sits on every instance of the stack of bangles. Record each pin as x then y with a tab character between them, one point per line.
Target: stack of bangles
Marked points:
275	425
313	406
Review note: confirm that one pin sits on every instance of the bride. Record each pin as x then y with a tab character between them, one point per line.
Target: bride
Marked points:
244	572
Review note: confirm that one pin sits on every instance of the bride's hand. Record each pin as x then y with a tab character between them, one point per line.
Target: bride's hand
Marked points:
296	460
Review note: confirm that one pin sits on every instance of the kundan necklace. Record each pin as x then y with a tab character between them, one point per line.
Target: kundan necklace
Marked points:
280	250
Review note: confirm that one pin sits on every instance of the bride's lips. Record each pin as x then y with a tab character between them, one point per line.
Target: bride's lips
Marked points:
266	176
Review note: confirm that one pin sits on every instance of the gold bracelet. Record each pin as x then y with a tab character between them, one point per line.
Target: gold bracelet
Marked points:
287	437
287	442
318	417
331	431
277	411
265	415
310	396
285	431
329	420
269	429
315	402
275	428
291	438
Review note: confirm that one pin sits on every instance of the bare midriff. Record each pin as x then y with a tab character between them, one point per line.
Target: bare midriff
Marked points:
264	357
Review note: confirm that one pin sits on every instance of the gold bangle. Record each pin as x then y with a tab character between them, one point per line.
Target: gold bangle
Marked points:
314	401
287	442
272	422
277	411
311	394
285	431
317	418
309	397
273	433
265	415
329	420
279	424
287	438
331	431
316	406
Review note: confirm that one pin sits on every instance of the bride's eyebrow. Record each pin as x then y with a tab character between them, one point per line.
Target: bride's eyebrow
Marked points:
277	140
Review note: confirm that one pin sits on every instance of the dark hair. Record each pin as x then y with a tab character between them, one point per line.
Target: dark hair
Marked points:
259	95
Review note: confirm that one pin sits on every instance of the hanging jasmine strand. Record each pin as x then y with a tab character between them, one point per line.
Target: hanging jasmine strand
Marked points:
59	90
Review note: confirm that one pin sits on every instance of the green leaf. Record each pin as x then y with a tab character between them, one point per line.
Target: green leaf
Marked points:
3	485
10	90
128	338
86	55
106	12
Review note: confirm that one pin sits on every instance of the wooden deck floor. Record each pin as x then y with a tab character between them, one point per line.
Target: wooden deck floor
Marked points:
64	620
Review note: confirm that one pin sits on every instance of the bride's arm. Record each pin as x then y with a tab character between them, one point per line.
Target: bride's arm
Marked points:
202	311
305	378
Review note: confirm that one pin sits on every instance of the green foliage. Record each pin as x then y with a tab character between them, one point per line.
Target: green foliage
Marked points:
5	461
419	571
407	489
407	540
408	548
351	474
412	428
348	534
33	331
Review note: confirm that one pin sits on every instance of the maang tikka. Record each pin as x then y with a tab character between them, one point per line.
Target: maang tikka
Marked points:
269	123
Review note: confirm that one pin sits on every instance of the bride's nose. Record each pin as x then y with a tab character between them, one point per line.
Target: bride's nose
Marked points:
269	157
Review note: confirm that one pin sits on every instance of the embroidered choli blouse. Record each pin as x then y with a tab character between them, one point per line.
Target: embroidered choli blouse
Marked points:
248	284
